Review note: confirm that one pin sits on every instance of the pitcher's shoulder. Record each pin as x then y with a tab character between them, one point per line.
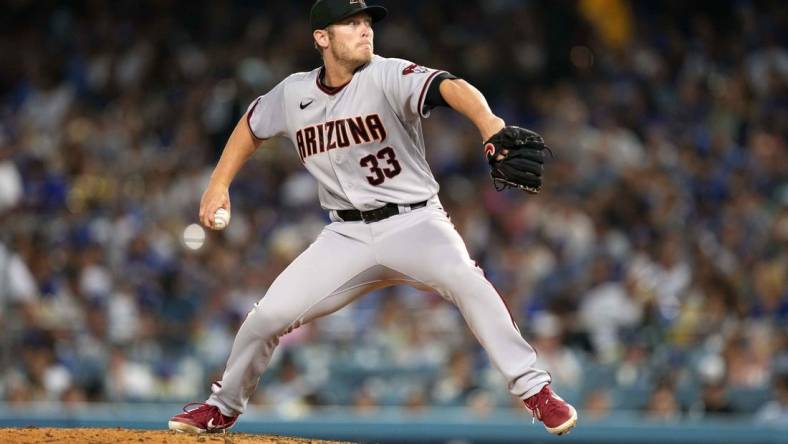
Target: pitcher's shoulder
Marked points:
399	66
304	76
379	62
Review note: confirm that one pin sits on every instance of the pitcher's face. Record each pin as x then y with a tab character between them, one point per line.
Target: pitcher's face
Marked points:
351	40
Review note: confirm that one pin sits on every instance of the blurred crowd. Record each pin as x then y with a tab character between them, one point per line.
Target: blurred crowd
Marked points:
651	274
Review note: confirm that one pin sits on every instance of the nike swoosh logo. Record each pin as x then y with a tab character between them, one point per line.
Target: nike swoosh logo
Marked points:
210	424
305	105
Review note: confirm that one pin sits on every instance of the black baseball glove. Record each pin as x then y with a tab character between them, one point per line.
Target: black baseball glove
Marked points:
522	163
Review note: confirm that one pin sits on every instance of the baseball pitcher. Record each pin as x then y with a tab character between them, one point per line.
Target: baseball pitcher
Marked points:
355	124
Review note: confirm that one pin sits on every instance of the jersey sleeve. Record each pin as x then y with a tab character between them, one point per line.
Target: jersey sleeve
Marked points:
406	85
266	114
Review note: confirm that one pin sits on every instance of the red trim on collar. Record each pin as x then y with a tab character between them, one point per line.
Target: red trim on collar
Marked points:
328	89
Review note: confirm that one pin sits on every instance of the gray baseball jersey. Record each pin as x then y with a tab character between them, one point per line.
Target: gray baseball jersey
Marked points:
362	142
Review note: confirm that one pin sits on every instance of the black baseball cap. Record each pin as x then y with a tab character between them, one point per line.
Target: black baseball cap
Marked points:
326	12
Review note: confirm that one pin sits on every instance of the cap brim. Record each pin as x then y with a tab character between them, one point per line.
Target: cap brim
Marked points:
377	13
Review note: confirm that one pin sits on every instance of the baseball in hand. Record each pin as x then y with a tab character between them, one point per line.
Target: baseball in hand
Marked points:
220	219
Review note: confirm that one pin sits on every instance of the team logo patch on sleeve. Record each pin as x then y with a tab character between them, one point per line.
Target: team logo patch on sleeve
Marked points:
414	69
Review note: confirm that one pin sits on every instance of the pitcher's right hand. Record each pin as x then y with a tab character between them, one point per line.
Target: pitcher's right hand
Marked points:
214	197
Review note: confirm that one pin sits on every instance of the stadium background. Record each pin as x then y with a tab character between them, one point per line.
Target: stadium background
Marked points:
651	274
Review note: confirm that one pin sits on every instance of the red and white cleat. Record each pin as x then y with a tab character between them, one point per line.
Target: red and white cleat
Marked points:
557	415
203	419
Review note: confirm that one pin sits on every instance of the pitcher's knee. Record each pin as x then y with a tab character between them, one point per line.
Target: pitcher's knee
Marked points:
270	322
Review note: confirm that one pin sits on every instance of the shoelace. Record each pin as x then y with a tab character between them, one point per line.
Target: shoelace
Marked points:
200	404
535	409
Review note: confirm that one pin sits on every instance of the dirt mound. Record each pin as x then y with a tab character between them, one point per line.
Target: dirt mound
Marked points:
33	435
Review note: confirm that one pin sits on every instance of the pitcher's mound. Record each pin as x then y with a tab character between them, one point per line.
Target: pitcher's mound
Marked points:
33	435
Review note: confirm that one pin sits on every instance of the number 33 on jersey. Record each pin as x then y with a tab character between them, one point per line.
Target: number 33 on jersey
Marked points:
361	141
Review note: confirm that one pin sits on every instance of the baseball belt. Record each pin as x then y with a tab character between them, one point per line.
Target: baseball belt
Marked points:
377	214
